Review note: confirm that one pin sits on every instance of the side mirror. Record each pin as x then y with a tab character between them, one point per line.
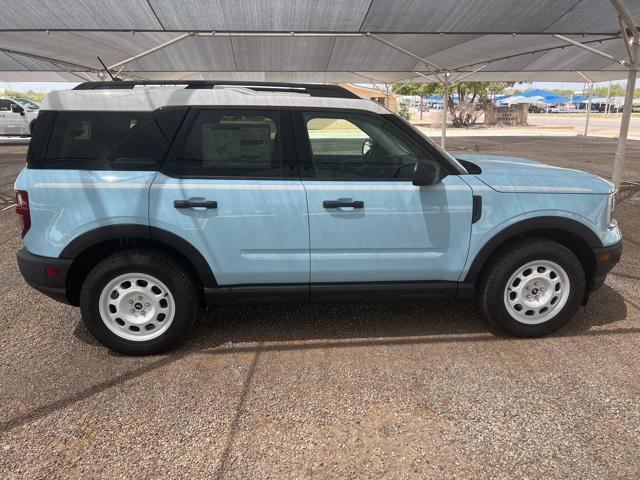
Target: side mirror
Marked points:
17	109
425	173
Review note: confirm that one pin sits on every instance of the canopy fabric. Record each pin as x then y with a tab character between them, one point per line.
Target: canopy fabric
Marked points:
534	97
489	39
536	92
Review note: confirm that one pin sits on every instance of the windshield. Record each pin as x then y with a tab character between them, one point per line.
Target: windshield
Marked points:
450	157
27	103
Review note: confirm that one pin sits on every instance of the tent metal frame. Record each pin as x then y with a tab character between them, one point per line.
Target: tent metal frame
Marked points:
631	37
629	34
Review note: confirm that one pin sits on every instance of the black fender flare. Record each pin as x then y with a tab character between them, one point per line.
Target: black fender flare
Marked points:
142	232
548	223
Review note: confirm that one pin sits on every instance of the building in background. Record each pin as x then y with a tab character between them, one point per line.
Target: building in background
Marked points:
373	94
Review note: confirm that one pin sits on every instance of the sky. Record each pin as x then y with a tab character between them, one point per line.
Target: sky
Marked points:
48	86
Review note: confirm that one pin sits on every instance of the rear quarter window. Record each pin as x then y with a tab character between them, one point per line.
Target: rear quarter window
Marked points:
103	140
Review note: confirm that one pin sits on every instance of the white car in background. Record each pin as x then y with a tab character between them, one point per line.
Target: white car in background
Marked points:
17	116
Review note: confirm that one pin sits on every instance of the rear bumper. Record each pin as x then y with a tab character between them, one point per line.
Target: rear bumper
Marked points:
606	259
32	267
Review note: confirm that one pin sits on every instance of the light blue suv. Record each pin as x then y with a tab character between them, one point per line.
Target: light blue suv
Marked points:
139	203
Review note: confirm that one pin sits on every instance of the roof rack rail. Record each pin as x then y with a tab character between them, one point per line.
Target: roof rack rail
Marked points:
311	89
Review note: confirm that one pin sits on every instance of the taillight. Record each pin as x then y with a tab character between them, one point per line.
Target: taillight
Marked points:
22	209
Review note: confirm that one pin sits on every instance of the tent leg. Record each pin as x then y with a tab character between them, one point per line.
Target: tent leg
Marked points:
445	108
618	164
586	120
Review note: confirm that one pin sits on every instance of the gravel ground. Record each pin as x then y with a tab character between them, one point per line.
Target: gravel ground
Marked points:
398	390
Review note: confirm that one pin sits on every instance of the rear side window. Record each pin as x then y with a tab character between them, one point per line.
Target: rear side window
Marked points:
233	143
104	140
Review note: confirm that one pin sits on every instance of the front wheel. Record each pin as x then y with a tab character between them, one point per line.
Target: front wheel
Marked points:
138	302
534	288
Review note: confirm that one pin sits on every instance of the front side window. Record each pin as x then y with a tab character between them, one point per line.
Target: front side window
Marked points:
233	143
351	146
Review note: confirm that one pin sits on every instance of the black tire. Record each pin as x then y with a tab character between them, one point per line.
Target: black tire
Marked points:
154	264
492	291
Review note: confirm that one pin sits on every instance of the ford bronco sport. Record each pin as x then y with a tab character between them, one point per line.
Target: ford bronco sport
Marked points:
139	203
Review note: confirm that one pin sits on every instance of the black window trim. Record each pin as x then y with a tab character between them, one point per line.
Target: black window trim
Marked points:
294	156
303	147
288	153
41	161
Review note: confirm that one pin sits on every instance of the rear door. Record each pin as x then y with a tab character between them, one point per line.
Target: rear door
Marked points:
368	222
231	187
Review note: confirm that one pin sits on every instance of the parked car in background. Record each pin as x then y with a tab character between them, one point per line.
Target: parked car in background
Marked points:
140	204
563	109
17	116
30	105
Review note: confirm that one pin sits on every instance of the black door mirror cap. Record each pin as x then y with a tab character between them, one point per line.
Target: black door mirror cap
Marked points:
426	173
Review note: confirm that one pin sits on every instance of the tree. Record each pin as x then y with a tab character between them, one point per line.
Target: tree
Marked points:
37	97
617	90
563	92
421	89
465	111
404	111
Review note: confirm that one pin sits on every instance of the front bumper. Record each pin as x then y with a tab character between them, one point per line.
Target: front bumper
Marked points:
34	269
606	259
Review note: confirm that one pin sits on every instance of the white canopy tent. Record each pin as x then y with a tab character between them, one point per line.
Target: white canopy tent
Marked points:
376	41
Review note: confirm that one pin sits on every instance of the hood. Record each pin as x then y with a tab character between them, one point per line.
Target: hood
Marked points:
511	174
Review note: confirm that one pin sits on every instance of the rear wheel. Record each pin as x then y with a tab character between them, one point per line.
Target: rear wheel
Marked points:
534	288
138	302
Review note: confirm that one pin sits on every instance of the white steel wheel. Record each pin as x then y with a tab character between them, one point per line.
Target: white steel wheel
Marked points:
536	292
136	307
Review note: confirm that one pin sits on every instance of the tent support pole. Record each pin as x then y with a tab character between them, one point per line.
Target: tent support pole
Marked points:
445	108
633	47
427	77
586	120
622	62
618	164
462	77
588	111
151	50
60	63
407	52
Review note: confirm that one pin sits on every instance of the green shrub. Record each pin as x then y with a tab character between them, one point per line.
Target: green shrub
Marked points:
404	111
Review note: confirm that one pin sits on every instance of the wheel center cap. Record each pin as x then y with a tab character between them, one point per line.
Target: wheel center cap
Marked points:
534	291
138	306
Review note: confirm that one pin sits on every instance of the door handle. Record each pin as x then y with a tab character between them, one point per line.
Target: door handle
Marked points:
195	203
343	203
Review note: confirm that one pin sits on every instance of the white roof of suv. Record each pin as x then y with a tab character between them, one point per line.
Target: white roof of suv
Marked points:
150	98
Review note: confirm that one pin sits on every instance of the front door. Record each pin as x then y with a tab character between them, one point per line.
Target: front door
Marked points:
231	187
368	222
